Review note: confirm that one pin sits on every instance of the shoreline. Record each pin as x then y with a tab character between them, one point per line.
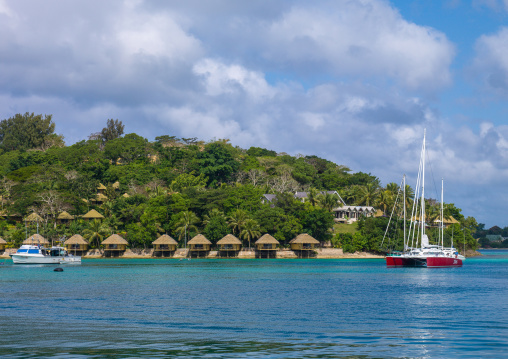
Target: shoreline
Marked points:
321	253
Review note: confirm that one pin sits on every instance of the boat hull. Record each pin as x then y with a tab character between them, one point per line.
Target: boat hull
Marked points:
24	259
429	262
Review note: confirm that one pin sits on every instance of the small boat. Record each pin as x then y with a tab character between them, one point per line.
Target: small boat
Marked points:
426	255
36	254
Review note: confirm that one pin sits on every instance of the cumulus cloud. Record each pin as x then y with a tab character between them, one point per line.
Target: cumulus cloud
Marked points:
344	80
491	61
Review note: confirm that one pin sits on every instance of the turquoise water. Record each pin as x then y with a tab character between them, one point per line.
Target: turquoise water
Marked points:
311	308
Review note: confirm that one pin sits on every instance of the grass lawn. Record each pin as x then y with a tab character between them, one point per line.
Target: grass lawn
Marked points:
345	228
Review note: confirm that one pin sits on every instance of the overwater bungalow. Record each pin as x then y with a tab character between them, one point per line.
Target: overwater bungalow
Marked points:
114	246
2	245
229	246
64	218
36	239
92	214
304	245
266	247
164	246
199	246
76	245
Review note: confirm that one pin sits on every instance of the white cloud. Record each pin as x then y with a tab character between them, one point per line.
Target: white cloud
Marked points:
491	61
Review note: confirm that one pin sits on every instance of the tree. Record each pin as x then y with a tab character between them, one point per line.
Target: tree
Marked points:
186	223
318	223
237	219
114	129
368	194
329	201
216	228
28	131
96	231
250	230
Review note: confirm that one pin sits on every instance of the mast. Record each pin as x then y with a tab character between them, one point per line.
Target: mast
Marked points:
404	205
423	190
441	233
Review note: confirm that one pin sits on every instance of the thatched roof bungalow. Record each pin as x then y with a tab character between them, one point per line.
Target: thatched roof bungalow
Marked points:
76	244
64	217
92	214
2	244
164	246
114	245
101	188
36	239
199	246
229	245
266	246
34	217
303	244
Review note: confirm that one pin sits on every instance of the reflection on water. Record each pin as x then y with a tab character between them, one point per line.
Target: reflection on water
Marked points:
254	308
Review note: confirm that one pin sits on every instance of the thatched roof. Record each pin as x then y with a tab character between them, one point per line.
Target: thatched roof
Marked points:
266	239
229	239
114	239
36	239
199	239
76	239
2	241
164	239
93	214
34	217
126	195
116	185
101	186
65	215
101	197
304	238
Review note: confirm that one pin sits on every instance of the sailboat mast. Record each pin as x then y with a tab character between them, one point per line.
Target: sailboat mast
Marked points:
404	204
423	190
441	232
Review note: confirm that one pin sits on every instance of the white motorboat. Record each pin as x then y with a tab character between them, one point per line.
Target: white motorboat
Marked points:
36	254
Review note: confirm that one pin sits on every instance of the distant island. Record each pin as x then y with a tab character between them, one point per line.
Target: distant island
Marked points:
184	187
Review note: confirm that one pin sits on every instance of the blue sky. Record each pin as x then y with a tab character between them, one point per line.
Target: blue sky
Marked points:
355	82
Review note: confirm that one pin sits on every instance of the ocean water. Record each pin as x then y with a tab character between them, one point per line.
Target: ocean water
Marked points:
310	308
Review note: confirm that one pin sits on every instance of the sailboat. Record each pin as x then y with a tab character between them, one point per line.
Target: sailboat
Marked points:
426	255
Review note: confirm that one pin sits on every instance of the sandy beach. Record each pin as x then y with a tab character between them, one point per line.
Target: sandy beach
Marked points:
322	253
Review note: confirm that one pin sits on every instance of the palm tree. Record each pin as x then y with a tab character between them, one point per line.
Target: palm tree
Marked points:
237	220
96	231
187	222
215	212
368	194
384	200
250	230
393	188
329	201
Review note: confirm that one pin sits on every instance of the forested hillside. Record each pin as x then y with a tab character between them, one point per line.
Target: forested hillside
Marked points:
178	186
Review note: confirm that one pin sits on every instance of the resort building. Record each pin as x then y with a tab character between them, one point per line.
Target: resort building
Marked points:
304	245
2	245
76	245
350	214
114	246
34	217
92	214
36	239
447	222
164	246
199	246
64	218
229	246
266	247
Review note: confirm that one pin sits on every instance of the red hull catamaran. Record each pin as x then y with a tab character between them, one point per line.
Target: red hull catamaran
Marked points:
426	255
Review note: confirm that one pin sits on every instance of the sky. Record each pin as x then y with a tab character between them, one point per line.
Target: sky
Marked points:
355	82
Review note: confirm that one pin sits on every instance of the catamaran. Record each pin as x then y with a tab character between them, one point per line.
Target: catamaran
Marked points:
426	255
